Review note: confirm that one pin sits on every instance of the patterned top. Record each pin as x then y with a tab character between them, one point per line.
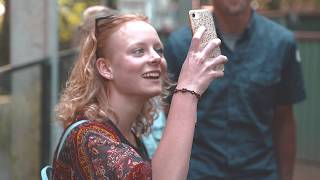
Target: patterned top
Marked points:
97	150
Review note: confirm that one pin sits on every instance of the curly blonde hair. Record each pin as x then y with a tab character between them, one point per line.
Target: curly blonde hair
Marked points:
85	90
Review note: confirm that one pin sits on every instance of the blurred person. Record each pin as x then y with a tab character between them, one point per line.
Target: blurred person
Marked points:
246	128
111	98
88	21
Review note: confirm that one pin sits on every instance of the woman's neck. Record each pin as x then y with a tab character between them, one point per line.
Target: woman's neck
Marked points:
127	109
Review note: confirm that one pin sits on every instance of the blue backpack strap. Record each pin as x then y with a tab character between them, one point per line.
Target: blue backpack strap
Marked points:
44	173
64	137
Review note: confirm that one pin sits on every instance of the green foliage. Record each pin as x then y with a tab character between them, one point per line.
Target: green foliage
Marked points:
70	16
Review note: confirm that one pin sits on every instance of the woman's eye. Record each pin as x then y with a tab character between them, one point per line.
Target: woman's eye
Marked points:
138	51
159	51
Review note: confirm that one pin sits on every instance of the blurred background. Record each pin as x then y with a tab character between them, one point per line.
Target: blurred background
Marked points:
38	45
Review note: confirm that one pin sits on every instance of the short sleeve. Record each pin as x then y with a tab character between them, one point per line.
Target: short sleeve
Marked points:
291	87
102	156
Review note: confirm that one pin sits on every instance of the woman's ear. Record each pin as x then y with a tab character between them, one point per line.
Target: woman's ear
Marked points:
104	67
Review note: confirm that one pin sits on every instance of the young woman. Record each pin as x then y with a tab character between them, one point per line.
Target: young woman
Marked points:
116	85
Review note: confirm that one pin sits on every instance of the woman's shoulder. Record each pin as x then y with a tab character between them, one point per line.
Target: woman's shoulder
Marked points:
91	128
100	147
80	143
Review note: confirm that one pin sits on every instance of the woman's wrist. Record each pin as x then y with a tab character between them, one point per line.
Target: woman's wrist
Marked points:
186	90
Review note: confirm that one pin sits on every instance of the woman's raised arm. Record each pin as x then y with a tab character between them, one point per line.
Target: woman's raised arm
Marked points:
171	159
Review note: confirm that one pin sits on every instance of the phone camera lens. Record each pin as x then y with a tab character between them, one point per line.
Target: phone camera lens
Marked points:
193	15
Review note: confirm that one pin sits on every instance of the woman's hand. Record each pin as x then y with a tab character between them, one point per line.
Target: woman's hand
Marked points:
198	70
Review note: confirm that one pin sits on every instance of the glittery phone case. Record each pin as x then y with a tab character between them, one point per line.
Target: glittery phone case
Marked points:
203	17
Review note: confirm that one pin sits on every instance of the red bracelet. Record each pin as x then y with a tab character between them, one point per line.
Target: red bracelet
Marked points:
184	90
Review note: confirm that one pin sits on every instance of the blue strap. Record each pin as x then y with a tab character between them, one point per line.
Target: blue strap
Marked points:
44	175
66	134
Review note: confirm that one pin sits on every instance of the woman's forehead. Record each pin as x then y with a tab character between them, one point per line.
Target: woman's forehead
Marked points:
131	34
136	31
132	27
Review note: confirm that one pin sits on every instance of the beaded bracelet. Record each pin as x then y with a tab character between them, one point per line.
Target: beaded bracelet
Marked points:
184	90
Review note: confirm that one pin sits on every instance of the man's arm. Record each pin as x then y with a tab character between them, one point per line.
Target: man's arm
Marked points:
284	136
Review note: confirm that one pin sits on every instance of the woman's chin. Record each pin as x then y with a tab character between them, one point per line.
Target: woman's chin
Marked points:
154	93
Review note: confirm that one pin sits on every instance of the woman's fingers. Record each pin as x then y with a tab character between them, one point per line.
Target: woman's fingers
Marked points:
197	72
214	62
209	48
216	74
196	39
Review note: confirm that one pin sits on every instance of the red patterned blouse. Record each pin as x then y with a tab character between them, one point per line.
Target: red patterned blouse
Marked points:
97	150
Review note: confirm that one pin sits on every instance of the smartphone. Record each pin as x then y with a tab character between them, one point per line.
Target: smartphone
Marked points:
203	17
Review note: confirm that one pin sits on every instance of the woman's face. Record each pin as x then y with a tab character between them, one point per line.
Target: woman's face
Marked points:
136	60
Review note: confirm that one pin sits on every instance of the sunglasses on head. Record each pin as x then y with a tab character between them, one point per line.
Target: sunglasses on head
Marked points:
100	20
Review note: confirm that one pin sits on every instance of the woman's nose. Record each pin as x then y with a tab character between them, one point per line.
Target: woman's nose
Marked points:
155	58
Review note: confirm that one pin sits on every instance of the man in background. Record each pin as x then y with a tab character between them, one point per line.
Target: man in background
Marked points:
88	21
246	128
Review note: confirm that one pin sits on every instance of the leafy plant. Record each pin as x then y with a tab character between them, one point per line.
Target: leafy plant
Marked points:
70	16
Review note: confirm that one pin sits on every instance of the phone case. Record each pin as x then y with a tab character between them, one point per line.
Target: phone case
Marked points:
203	17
